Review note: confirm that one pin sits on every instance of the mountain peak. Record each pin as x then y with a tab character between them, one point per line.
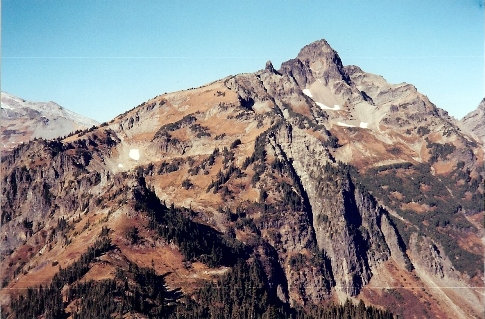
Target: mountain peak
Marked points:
319	60
316	50
329	178
320	52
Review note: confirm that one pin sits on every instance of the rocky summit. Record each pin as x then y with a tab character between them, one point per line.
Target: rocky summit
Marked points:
292	192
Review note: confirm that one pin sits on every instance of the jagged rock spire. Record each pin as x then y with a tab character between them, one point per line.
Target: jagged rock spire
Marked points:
269	66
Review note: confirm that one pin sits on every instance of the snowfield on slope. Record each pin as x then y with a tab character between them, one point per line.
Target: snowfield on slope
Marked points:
336	107
308	93
323	106
345	124
134	154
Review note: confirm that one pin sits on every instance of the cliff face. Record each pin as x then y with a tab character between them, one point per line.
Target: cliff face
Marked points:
346	221
47	180
327	175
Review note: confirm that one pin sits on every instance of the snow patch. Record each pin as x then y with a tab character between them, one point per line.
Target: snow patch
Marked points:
326	107
307	93
134	154
345	124
364	124
322	106
120	165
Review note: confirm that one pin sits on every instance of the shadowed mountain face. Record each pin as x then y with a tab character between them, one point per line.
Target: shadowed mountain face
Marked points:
335	182
22	121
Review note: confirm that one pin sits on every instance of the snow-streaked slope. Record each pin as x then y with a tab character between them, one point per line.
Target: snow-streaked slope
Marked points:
23	120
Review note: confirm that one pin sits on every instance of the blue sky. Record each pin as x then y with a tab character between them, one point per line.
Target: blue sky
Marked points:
100	57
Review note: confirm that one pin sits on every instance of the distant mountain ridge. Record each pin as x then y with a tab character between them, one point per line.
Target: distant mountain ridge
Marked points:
474	122
21	120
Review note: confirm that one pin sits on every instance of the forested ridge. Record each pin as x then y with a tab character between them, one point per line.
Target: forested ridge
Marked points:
243	292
